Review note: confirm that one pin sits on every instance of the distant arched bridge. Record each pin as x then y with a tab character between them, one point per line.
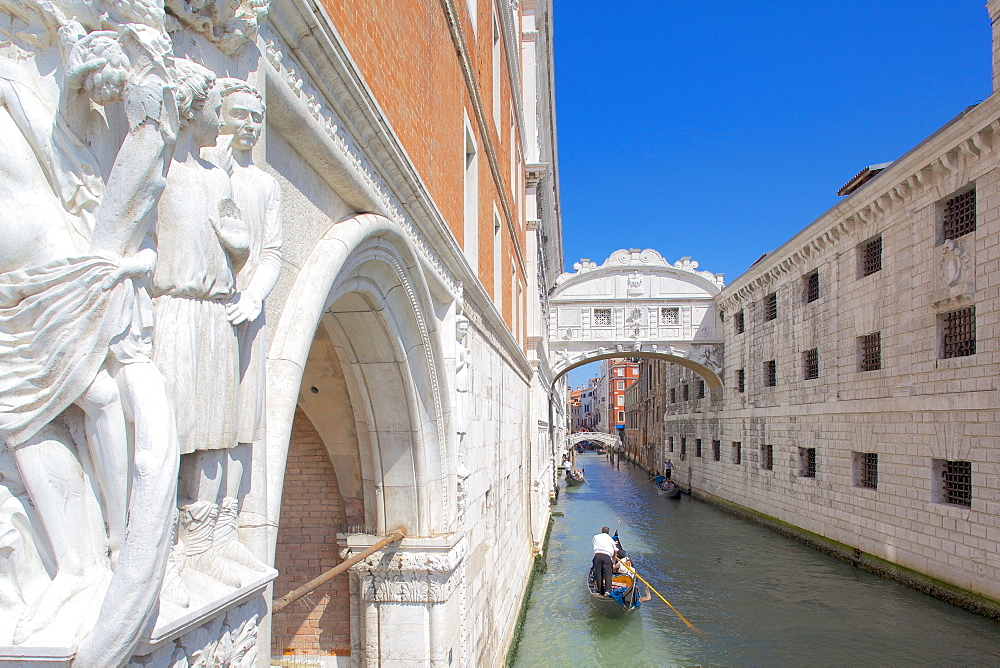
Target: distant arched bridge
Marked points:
609	440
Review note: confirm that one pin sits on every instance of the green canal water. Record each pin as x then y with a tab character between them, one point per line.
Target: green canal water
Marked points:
758	598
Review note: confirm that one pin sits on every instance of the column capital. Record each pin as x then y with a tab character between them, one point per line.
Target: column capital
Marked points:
417	571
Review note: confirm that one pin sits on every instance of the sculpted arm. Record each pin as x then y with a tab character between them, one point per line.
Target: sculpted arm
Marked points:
265	274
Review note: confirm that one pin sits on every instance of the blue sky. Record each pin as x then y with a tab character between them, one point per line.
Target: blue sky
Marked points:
718	130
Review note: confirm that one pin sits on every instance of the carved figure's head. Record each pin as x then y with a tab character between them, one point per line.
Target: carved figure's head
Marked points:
198	100
242	113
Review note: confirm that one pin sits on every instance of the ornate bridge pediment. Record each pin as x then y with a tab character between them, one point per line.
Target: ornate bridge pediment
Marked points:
637	304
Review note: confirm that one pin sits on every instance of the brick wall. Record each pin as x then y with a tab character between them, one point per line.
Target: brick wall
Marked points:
312	512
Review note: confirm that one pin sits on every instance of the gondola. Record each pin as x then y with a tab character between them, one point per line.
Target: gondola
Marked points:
669	488
575	478
624	598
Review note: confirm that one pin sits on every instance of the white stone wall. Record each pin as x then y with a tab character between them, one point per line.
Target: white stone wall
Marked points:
916	409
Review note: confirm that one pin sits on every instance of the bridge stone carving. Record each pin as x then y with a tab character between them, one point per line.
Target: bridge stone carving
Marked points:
637	304
609	440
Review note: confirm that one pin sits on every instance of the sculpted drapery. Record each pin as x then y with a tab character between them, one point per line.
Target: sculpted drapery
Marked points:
119	309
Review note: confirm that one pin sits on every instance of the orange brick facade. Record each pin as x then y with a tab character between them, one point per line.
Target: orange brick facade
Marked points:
312	512
408	59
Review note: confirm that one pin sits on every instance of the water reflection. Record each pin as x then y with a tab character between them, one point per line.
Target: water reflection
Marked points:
759	598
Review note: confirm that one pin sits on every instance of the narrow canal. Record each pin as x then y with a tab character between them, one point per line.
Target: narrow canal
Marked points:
757	598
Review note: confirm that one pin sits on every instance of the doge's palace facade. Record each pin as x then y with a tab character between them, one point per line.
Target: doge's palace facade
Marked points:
273	284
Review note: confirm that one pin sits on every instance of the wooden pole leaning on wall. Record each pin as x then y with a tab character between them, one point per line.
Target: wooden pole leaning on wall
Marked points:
399	533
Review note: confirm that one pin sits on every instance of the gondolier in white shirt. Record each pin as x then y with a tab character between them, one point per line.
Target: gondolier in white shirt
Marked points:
604	551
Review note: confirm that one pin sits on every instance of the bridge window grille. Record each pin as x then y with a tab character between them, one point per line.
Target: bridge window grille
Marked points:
717	450
771	306
686	392
739	323
959	215
812	287
737	453
741	377
866	469
807	462
697	447
673	395
870	352
770	373
670	443
871	256
956	482
602	317
958	333
810	363
701	389
767	457
670	316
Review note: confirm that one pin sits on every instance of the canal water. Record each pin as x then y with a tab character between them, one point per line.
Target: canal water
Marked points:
756	598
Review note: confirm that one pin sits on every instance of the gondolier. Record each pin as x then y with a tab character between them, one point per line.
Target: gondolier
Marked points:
604	552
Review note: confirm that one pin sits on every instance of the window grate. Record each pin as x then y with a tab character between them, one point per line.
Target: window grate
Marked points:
673	395
670	443
684	446
717	450
739	323
871	256
767	457
670	316
771	306
701	389
602	317
810	363
959	216
958	335
737	452
770	373
697	447
812	287
807	462
957	478
686	392
869	470
741	377
870	352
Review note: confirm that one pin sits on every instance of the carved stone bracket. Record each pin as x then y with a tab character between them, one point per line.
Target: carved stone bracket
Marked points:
410	575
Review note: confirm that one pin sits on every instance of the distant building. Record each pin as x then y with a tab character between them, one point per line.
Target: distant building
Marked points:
616	376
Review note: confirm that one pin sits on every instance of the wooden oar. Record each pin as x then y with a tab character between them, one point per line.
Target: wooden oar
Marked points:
683	619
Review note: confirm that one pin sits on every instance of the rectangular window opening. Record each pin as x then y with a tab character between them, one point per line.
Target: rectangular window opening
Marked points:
865	469
807	462
697	447
739	323
602	317
812	287
870	352
741	377
958	215
770	373
810	363
737	453
771	306
767	457
717	450
958	333
670	316
870	256
955	482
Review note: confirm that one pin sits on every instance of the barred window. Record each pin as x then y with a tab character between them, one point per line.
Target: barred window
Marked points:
741	377
673	395
684	446
670	443
602	317
870	352
767	457
686	391
958	333
812	286
771	306
807	462
717	450
739	323
701	389
670	316
810	363
959	215
737	452
866	469
770	373
697	447
956	482
871	256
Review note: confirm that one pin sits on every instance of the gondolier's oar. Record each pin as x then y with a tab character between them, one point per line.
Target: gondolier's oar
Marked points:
632	571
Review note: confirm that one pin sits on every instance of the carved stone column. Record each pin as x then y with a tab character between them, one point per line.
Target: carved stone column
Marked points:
422	572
